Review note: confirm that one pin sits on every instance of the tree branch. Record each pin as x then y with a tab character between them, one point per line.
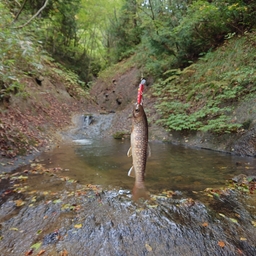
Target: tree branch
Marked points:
34	16
19	12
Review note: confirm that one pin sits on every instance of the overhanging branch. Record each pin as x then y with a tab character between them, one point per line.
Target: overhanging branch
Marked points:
34	16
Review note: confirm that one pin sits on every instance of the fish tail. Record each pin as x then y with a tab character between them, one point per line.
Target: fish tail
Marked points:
139	192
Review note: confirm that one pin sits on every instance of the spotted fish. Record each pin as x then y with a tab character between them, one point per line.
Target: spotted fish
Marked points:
139	151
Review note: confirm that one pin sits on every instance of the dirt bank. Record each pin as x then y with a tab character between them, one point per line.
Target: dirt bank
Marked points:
31	120
28	123
118	93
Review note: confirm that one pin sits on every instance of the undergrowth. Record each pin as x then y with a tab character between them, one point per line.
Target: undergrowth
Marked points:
202	96
23	55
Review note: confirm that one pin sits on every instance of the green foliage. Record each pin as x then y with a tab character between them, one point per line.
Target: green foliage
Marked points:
120	135
203	95
206	25
71	80
176	33
20	54
62	33
124	32
87	36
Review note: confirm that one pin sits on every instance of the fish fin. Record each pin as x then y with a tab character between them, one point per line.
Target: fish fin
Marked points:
131	172
149	151
140	192
129	153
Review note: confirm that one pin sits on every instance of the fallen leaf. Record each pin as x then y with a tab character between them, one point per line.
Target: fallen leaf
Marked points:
14	229
148	247
78	225
254	223
77	208
29	252
243	239
33	199
221	244
8	192
205	224
153	205
19	202
57	201
72	181
64	253
21	177
36	246
233	220
41	252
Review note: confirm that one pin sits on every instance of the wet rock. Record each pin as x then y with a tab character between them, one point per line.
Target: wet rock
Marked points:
88	119
109	223
241	178
51	238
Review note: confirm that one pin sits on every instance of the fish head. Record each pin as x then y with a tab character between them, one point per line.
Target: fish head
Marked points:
138	111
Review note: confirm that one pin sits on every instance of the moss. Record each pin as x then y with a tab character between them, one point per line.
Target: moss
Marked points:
120	135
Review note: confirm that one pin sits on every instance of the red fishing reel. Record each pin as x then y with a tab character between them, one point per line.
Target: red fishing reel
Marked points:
140	91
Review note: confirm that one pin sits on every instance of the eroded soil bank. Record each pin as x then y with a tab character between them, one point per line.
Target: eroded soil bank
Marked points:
118	93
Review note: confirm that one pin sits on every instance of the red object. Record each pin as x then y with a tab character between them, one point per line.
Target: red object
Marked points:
140	92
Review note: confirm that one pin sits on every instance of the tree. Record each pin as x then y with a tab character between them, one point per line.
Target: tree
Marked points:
125	31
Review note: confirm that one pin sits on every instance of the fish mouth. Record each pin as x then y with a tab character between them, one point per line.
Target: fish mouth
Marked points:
137	107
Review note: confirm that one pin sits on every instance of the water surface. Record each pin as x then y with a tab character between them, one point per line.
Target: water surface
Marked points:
104	162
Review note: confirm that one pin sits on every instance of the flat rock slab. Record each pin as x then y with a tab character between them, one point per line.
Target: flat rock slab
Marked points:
75	219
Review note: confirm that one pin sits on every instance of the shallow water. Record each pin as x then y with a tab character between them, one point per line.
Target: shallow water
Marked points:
171	167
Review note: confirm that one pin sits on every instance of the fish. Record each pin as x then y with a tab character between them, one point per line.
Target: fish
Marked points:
140	151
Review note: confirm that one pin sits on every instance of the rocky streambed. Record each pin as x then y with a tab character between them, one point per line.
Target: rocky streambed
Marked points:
62	217
46	211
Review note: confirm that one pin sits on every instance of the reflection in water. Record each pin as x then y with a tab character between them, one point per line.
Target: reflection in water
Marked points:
104	162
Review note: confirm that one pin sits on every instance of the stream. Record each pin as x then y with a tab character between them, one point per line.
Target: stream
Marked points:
171	167
76	200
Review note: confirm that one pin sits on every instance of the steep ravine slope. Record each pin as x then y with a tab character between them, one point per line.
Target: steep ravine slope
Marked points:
118	91
30	119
